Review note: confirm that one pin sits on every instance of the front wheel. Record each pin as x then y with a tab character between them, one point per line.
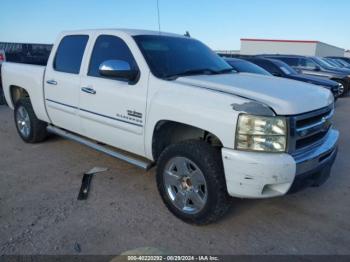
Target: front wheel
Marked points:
191	182
345	88
29	127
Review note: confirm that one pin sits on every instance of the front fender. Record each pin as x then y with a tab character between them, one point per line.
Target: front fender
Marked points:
201	108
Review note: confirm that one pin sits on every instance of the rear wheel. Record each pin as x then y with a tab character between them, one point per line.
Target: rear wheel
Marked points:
191	182
2	97
29	127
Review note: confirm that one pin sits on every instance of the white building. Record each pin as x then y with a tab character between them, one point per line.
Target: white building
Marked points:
347	53
290	47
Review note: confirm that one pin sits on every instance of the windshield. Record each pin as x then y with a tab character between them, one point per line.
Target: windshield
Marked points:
323	63
346	64
332	62
169	56
244	66
288	70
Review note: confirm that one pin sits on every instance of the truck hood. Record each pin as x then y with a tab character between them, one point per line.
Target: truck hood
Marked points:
284	96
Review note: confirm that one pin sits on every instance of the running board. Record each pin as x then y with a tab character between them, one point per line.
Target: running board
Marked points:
63	133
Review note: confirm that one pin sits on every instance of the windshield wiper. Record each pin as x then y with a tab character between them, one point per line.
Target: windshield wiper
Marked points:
203	71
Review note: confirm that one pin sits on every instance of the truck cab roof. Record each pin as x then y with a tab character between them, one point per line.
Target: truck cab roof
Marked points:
131	32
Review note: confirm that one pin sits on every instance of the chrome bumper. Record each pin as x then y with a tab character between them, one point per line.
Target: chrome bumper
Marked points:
314	160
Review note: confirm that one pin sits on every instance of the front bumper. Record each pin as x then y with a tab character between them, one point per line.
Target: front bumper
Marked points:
264	175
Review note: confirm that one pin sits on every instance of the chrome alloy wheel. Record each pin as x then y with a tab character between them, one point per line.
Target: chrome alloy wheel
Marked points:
185	185
23	121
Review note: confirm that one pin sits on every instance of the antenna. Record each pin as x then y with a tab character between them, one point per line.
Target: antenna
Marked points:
158	16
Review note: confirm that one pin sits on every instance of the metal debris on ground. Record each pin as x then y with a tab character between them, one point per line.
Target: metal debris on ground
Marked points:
85	184
77	247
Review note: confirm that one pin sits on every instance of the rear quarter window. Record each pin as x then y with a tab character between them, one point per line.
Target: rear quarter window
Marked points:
70	53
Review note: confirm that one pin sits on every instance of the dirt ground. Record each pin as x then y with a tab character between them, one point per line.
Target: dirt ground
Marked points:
40	214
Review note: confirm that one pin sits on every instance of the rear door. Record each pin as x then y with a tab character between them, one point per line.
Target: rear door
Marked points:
62	82
113	110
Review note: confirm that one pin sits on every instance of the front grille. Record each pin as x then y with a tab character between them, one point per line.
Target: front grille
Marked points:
309	129
305	142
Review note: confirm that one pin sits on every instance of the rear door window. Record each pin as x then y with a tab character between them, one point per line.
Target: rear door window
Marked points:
70	53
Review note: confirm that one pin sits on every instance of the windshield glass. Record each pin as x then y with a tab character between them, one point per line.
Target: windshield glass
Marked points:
332	62
288	70
169	56
244	66
346	64
323	63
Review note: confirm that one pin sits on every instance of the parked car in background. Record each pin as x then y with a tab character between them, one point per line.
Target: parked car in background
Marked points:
2	59
244	66
172	102
26	53
328	64
281	69
339	62
342	58
310	66
332	63
2	56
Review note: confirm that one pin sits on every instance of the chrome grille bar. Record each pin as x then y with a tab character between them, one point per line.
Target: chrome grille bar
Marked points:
310	129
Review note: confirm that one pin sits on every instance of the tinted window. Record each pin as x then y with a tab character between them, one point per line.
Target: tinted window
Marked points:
292	61
344	63
308	63
109	48
268	66
288	70
70	53
169	56
245	66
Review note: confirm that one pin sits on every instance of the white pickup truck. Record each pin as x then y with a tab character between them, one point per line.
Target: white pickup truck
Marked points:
169	100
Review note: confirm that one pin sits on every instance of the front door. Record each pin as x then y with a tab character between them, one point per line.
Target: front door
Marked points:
113	110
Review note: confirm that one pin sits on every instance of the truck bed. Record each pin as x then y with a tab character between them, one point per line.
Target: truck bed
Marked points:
29	76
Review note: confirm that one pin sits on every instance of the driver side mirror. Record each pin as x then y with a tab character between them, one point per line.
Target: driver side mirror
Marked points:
118	69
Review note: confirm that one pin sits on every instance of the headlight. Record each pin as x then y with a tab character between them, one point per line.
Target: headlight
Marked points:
259	133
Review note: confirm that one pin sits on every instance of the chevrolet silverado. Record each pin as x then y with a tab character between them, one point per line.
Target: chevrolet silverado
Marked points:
169	100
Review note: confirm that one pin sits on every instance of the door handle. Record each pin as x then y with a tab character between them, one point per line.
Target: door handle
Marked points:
51	82
88	90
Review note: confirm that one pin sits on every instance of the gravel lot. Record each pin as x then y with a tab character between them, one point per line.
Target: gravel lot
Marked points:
39	213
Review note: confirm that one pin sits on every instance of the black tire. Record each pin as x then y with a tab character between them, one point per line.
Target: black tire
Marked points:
2	97
37	131
346	88
209	161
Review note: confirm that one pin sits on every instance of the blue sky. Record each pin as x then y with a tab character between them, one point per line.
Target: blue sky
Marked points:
218	23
